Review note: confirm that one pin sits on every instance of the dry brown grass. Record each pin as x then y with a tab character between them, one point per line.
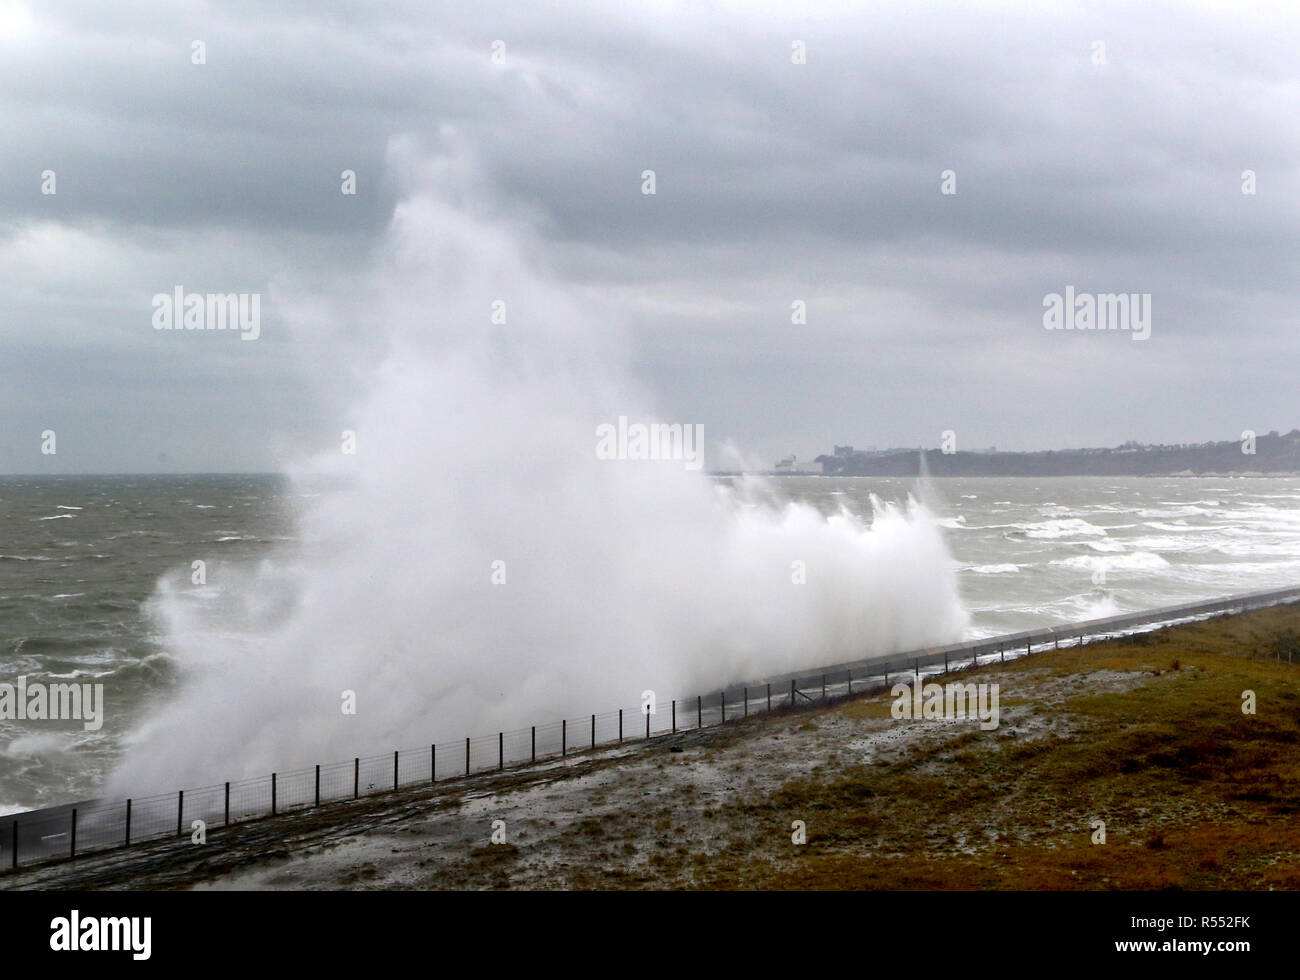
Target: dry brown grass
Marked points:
1195	794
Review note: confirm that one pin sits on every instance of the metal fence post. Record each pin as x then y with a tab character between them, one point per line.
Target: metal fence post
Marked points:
647	721
620	726
722	702
128	823
769	697
501	751
945	661
699	711
564	737
674	716
433	762
534	743
73	851
356	778
227	823
593	731
792	692
745	711
318	785
180	810
395	751
272	794
917	667
466	755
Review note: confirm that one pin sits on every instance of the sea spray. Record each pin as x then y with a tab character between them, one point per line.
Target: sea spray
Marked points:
476	566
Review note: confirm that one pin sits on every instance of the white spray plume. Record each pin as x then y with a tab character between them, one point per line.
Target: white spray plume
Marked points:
476	444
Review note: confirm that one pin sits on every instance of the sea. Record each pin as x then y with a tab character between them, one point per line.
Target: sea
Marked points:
81	557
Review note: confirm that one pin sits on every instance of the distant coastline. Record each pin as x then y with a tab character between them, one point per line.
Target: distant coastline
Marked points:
1270	455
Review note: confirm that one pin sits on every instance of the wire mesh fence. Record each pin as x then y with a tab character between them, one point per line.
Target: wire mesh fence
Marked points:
70	830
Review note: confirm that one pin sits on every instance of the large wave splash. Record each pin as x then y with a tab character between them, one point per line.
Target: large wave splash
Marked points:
476	445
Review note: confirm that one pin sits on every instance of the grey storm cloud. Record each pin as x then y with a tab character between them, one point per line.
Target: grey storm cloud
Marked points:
775	181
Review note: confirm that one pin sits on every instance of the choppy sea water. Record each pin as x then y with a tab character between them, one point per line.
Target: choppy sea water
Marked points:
1033	552
80	558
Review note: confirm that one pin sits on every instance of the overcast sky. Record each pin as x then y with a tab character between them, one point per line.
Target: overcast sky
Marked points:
1113	168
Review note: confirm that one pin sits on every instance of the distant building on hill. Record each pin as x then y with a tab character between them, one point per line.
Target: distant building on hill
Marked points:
790	466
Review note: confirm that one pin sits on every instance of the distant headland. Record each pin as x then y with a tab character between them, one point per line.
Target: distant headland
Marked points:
1272	454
